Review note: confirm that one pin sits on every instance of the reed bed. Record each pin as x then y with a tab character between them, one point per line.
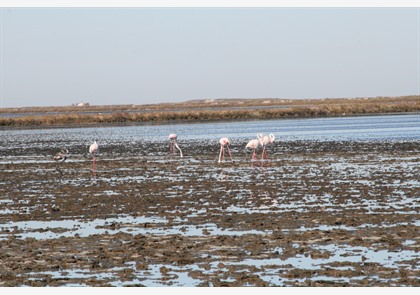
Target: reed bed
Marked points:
175	114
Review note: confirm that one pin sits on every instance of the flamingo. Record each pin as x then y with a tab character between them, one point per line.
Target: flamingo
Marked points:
224	142
253	144
172	138
266	140
93	150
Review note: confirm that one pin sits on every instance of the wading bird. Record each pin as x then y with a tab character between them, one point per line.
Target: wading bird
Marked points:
224	143
265	141
62	155
172	144
253	145
93	150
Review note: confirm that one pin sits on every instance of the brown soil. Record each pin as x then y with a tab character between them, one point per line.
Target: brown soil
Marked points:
210	224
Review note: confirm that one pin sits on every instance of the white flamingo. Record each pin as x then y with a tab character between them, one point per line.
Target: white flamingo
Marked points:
224	143
253	144
172	144
93	150
266	140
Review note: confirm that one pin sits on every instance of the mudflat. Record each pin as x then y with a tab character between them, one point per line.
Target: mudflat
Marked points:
312	214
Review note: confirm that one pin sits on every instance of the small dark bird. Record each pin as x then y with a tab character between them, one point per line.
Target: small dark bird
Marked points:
62	155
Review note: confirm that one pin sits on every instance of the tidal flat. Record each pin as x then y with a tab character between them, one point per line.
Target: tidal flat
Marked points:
318	214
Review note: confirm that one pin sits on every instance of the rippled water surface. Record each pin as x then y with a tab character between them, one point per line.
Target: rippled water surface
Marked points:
337	204
389	127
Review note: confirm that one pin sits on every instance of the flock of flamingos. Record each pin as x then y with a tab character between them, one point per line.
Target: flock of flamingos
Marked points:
261	140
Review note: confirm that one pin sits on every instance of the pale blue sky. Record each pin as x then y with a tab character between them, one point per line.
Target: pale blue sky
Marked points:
60	56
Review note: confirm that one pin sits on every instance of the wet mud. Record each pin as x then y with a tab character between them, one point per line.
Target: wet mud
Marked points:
317	214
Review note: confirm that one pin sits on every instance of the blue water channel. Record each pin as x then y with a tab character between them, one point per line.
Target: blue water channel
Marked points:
359	128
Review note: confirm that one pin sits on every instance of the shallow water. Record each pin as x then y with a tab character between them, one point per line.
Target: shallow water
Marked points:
337	205
388	127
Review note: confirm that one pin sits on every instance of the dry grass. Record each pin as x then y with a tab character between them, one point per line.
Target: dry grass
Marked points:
213	110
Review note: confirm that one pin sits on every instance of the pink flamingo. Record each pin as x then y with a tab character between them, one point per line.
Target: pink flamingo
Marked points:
172	144
253	144
93	150
224	142
265	141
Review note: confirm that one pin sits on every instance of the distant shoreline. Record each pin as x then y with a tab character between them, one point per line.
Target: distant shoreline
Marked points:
202	112
127	124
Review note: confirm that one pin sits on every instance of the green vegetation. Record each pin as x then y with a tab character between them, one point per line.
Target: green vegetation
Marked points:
205	111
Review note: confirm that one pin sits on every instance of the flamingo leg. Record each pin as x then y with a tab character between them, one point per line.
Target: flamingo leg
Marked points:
230	154
171	148
220	154
252	160
180	152
94	166
223	153
265	155
262	165
262	159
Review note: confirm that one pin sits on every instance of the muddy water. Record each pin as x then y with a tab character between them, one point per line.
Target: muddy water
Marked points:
335	204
